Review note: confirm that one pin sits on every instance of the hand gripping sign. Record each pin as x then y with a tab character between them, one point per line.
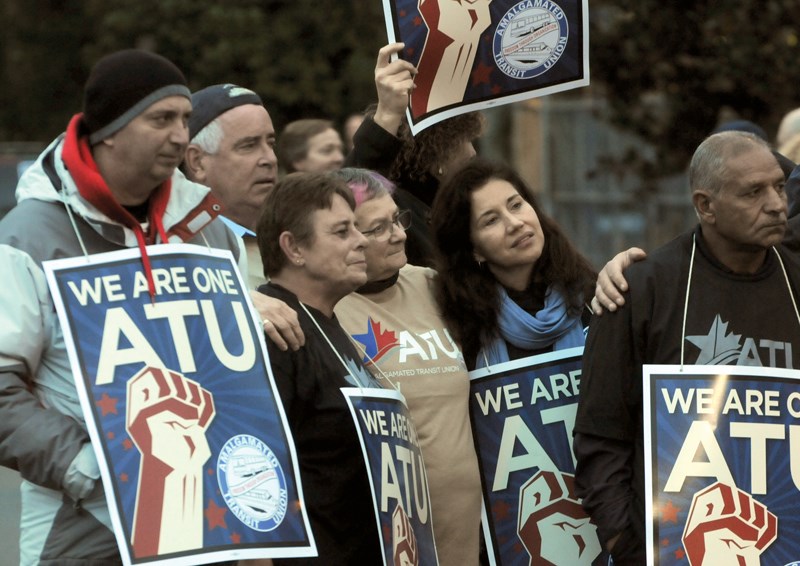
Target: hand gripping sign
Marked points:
727	526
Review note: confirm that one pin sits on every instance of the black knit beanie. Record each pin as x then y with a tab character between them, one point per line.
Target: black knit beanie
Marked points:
123	85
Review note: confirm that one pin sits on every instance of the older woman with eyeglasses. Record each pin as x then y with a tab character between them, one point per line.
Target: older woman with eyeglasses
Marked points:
394	320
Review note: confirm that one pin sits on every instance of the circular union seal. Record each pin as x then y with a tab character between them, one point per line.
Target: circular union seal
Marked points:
530	38
252	482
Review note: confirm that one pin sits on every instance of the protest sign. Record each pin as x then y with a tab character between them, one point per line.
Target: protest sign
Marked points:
721	464
397	475
523	413
483	53
195	454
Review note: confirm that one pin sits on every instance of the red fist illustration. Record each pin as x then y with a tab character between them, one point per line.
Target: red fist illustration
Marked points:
404	543
552	524
727	526
167	418
454	31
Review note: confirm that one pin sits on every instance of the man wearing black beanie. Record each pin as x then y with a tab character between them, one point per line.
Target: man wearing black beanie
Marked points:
110	183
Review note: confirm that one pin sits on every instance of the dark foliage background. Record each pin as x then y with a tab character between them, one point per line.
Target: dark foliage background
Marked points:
306	59
671	70
668	69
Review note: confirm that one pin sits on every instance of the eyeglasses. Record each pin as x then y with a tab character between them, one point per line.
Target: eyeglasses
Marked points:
384	230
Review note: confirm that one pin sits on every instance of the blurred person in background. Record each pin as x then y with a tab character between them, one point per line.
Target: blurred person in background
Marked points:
349	128
789	127
311	146
791	148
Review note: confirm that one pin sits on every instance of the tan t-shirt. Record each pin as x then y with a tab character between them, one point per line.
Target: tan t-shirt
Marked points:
401	329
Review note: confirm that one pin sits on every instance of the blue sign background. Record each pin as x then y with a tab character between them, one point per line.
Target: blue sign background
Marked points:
244	401
364	401
501	507
668	432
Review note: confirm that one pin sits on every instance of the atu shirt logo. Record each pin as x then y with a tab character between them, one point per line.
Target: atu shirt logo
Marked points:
427	346
720	347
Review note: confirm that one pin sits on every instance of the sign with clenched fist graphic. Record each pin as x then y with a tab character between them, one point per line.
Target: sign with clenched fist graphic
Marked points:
523	413
722	465
196	457
476	54
397	476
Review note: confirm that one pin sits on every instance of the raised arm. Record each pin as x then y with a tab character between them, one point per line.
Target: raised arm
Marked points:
394	81
375	143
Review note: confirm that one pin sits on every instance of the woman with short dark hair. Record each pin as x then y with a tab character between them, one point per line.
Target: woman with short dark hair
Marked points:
314	256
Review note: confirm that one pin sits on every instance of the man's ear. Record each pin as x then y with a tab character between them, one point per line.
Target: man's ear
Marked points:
195	169
291	250
704	206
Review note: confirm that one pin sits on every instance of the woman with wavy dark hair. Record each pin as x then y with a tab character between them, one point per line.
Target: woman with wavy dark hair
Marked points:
425	159
510	283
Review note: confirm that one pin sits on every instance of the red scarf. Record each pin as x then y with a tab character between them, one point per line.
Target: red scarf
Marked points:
77	156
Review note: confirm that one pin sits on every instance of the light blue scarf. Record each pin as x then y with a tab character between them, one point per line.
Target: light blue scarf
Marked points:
552	325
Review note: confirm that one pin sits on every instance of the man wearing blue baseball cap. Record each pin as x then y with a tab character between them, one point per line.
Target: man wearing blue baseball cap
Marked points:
232	151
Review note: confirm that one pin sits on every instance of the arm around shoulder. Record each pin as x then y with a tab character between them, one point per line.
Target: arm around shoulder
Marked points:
611	283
